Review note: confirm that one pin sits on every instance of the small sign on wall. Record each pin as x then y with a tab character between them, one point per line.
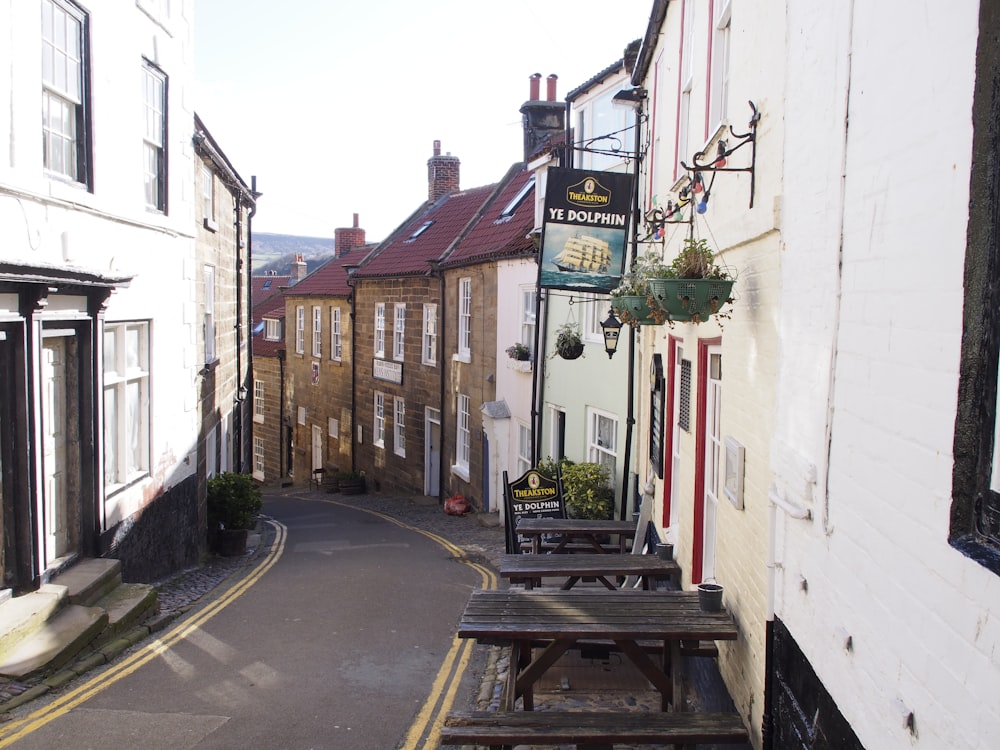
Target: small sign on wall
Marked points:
735	454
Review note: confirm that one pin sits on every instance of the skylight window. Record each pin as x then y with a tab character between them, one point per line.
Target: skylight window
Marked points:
267	284
420	230
511	207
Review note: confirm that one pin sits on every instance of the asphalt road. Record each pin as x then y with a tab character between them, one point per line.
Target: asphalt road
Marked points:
343	638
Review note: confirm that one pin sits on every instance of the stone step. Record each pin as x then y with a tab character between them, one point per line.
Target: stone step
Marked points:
56	642
129	604
91	579
23	615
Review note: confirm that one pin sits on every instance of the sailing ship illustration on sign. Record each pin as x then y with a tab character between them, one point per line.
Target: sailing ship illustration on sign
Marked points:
583	254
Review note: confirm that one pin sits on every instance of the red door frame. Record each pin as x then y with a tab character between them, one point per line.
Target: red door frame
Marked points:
668	434
698	520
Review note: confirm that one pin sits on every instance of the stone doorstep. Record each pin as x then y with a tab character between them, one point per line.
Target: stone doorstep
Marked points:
24	615
90	580
43	630
61	638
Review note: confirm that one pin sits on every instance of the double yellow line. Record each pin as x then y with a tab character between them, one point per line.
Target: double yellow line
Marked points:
425	731
16	730
432	713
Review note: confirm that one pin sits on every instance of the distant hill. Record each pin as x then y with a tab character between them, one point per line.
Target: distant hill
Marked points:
272	251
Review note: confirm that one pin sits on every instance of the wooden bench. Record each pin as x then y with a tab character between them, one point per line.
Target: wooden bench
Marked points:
590	728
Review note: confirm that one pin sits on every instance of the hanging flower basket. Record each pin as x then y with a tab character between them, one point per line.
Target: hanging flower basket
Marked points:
569	345
635	310
694	300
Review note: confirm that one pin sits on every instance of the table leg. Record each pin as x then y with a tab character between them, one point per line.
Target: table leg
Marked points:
677	674
650	671
529	673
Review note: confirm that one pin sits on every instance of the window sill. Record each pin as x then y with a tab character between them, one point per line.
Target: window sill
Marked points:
461	471
465	357
519	365
211	225
258	418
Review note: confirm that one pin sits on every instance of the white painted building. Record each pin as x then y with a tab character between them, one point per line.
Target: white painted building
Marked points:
856	531
101	307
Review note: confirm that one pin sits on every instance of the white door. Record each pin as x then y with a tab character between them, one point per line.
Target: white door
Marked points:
714	454
55	515
317	447
432	452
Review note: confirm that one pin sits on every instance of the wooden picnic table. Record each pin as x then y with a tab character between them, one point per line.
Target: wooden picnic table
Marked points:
560	619
588	530
527	569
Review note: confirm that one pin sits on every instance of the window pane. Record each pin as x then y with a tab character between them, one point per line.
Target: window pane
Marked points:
110	437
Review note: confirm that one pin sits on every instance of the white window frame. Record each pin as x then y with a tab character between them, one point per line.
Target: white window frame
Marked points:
602	446
258	458
209	317
258	401
465	318
399	426
378	427
379	340
64	70
463	435
429	348
529	298
399	332
300	329
336	338
208	197
714	452
272	329
154	149
126	403
595	310
687	85
317	332
524	461
719	97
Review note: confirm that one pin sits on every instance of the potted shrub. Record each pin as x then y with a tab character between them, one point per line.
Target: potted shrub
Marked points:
519	352
587	487
233	501
692	287
569	345
352	482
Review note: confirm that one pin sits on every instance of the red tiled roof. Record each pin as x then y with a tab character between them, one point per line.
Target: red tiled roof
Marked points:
262	287
497	234
329	280
407	253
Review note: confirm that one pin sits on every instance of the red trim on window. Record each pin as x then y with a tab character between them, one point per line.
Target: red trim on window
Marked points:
668	429
698	520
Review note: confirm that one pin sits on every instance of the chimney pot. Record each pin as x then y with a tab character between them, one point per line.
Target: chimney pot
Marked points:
437	148
551	86
355	221
534	87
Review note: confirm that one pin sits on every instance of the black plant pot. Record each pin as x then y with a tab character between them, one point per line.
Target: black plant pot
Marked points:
570	352
231	542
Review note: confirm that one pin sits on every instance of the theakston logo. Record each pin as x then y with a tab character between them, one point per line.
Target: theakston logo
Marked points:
588	192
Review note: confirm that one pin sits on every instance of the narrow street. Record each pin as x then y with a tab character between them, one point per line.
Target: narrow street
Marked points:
343	636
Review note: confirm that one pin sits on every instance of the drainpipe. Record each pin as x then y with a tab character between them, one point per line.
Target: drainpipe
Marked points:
244	451
240	383
442	322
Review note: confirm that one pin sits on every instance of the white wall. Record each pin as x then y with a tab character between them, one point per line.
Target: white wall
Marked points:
870	364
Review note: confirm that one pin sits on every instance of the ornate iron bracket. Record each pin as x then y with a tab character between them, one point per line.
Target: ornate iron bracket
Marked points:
723	152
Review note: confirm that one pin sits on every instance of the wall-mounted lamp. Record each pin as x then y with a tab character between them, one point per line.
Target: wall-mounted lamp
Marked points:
611	327
631	98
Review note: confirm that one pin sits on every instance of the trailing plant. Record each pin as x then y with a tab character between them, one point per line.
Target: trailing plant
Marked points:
519	352
696	261
233	501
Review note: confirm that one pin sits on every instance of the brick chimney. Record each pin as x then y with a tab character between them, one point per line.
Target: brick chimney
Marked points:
541	119
299	269
442	174
348	238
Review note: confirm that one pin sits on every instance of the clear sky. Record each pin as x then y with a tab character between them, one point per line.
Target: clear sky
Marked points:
335	105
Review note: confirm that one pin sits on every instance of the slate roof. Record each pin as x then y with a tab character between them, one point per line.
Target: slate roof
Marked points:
262	287
496	234
409	252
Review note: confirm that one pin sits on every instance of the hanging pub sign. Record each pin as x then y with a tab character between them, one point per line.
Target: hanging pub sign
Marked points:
585	230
